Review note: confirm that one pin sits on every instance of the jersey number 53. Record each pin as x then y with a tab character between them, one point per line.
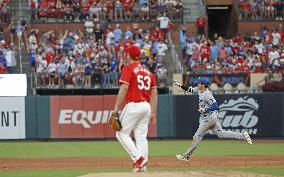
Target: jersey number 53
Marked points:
144	82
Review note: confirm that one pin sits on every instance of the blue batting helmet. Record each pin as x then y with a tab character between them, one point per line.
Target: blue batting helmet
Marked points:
203	80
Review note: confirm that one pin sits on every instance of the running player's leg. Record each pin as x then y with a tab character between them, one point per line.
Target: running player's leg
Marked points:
217	129
204	126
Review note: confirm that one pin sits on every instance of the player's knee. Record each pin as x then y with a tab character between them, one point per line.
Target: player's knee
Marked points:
118	136
194	138
140	139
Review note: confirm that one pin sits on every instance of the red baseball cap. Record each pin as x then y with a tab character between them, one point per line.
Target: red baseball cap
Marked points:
134	52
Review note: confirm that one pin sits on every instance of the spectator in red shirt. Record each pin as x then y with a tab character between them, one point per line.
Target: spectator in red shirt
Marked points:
205	52
85	11
245	9
34	9
43	4
245	67
49	57
223	53
157	34
200	23
127	5
3	69
237	39
109	5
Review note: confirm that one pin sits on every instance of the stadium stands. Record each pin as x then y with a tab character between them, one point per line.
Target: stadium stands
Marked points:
50	52
261	9
257	52
113	11
5	14
93	58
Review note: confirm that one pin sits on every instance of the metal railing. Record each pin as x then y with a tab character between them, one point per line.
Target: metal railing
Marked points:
232	91
202	7
177	66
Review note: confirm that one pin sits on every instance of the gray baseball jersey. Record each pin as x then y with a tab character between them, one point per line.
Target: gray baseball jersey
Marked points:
206	98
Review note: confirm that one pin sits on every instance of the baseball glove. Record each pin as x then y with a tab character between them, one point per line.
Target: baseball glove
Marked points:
114	122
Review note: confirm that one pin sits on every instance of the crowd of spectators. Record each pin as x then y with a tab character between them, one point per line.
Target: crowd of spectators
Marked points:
93	58
257	52
110	10
5	14
262	9
7	55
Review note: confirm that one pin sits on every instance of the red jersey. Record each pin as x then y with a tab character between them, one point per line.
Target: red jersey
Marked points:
109	6
205	51
200	22
140	81
43	4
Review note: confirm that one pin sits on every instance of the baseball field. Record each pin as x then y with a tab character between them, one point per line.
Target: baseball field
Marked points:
107	158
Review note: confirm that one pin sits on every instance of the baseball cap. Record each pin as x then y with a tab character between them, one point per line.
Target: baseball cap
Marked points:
134	52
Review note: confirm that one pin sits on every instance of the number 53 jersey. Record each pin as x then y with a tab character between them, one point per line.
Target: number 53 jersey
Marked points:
140	81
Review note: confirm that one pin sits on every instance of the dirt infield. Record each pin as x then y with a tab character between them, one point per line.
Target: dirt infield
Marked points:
154	163
177	174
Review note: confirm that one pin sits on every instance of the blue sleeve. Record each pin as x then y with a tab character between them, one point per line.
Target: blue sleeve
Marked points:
213	107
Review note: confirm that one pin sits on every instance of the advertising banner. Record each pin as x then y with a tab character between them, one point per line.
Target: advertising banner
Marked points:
83	117
13	85
241	113
257	114
12	120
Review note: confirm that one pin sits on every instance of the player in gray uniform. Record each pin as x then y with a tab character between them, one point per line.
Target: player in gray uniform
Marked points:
208	109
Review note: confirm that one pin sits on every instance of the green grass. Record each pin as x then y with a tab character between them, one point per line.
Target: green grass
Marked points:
114	149
271	171
45	173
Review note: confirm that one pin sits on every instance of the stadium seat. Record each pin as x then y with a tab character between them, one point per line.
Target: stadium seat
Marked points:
228	88
214	88
241	88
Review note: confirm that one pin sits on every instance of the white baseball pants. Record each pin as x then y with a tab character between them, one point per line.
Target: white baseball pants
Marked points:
135	116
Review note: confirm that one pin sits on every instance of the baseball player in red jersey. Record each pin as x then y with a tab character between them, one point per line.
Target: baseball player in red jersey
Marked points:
138	89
